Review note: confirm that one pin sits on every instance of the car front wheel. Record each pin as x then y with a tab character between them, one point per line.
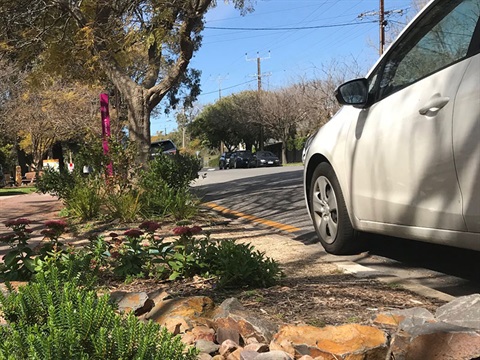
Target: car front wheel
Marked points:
329	213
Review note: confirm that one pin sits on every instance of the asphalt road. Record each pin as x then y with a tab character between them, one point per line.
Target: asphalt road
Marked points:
274	197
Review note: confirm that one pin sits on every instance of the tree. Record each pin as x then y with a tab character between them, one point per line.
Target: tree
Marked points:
184	118
216	124
50	111
281	112
232	120
317	95
142	46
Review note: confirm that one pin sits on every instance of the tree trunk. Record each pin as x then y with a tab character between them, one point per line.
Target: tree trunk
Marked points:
139	124
284	151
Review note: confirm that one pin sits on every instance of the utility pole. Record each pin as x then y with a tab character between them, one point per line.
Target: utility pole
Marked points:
219	81
259	71
382	22
259	85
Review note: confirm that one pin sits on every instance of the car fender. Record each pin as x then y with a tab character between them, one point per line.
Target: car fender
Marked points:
330	144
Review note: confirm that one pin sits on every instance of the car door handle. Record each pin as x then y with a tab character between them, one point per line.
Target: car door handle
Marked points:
434	104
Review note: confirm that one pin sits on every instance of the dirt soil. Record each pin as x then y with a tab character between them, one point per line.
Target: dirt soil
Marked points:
313	291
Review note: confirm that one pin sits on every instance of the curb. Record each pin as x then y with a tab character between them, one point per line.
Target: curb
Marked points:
361	271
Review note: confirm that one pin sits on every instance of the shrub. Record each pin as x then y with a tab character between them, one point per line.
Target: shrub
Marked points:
162	200
177	171
56	183
123	204
240	265
53	319
156	200
182	204
84	201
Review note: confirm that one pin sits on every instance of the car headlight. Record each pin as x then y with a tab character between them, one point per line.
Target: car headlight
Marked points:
262	160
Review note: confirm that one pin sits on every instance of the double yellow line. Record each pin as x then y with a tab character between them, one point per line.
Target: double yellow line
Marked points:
252	218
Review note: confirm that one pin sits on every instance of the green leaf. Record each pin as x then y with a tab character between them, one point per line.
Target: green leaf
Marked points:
174	275
11	258
29	264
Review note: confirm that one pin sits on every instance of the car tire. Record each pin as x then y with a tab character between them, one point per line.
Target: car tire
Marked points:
329	213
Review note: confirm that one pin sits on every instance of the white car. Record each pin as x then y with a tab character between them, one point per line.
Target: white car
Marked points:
402	156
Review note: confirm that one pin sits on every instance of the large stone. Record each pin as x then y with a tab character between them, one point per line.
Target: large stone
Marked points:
436	341
228	347
235	355
232	315
204	356
227	334
182	313
203	332
257	347
206	346
463	311
406	317
274	355
138	302
248	355
350	341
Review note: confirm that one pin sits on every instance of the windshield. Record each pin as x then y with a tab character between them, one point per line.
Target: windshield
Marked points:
265	153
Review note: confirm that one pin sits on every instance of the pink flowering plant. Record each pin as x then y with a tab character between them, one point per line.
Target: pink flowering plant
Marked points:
184	261
22	261
132	254
54	230
18	262
135	252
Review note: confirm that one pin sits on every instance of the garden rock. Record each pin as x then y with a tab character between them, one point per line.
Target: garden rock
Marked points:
436	341
332	342
405	318
228	347
181	315
227	334
138	302
232	315
230	332
206	346
274	355
463	311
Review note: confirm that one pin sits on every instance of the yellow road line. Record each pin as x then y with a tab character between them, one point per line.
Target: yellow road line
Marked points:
256	219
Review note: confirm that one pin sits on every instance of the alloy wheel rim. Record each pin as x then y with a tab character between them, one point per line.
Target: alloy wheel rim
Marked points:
325	209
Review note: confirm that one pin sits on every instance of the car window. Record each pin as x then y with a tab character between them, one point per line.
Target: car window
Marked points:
438	40
162	146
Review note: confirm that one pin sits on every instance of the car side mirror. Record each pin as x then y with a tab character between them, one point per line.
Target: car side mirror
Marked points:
353	92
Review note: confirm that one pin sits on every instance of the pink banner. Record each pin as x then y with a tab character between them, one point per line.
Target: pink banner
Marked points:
105	128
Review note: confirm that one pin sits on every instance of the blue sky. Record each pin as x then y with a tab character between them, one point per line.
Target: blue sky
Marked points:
333	32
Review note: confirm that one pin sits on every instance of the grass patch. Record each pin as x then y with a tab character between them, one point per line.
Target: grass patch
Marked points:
17	191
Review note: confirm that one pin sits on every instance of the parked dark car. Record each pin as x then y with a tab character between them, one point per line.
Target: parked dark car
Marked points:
163	146
265	158
241	159
224	160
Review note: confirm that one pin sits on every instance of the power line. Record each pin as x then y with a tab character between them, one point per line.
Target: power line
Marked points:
382	21
230	87
287	28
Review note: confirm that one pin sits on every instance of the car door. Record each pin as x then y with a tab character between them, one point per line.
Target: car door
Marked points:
466	143
403	169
